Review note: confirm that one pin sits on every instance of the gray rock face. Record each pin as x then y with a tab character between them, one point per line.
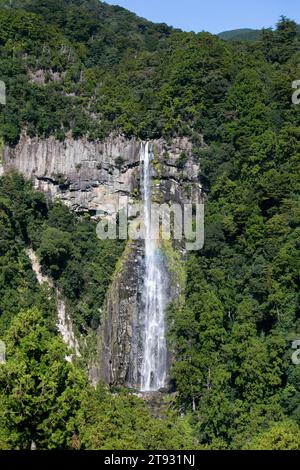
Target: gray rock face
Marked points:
91	177
118	353
120	336
64	322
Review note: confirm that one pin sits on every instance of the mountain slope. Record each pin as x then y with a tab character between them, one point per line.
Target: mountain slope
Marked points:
82	68
115	72
243	34
82	20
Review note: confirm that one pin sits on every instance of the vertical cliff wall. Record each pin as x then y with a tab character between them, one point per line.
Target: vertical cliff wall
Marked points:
91	177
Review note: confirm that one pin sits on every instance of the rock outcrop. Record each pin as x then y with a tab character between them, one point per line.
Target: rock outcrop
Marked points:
64	322
119	352
91	176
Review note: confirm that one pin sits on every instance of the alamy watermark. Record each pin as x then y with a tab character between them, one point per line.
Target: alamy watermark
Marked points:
181	222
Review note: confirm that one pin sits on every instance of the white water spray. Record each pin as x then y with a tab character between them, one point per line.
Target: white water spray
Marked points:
154	362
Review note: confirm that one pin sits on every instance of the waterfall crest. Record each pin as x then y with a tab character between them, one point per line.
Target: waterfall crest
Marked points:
154	358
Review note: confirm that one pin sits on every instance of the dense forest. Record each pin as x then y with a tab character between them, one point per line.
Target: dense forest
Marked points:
88	69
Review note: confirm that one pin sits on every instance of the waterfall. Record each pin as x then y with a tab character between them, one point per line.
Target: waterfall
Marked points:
154	357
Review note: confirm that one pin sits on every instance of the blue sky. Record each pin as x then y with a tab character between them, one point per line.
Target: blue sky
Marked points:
213	15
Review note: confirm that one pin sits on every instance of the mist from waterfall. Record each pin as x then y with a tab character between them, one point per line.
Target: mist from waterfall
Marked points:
154	359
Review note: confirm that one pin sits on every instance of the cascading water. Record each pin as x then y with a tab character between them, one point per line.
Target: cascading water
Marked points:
154	359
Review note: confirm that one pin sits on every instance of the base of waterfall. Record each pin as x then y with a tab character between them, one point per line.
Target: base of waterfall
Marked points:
158	402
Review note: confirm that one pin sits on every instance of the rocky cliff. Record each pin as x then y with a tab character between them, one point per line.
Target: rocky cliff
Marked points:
91	177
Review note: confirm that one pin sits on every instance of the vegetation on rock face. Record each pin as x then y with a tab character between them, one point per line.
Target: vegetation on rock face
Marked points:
21	212
70	66
67	245
89	68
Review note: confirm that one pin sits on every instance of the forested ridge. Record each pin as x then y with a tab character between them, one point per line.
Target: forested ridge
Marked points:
88	69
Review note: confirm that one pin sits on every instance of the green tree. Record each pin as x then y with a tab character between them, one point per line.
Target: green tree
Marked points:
281	436
39	391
